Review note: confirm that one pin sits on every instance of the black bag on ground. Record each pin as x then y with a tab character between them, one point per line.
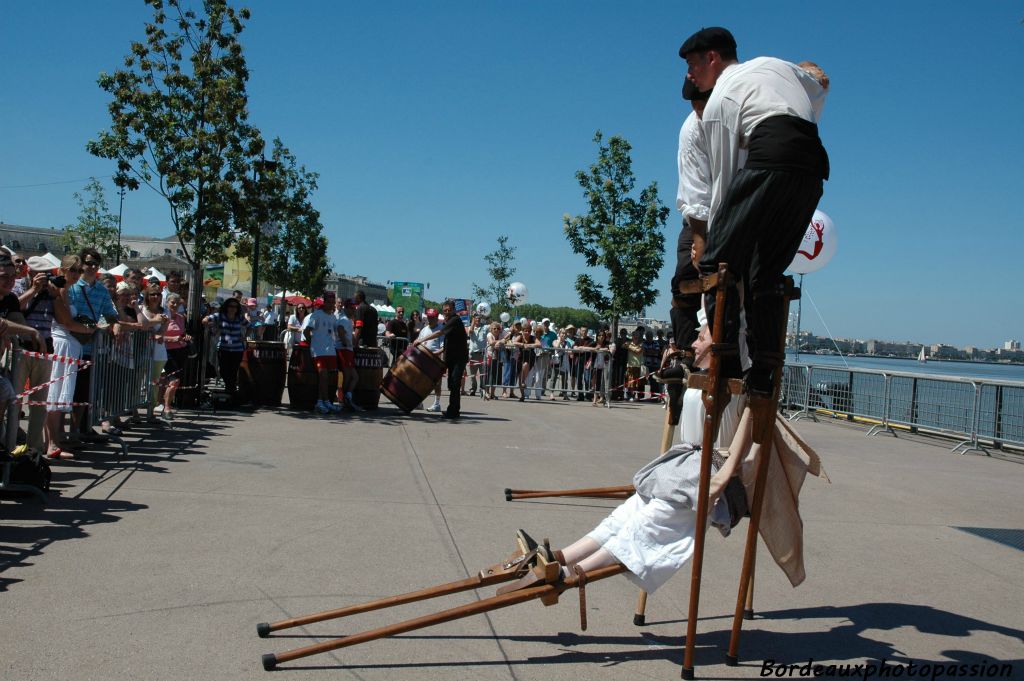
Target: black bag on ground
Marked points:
27	469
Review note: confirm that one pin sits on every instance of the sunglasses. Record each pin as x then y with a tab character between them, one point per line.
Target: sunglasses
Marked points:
90	263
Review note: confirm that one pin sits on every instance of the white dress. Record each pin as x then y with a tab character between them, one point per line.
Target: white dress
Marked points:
654	538
60	394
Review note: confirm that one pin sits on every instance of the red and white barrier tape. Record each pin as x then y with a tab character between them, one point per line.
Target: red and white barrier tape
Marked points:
83	364
53	358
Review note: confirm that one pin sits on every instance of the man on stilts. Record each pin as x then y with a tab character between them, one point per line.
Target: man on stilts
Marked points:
768	108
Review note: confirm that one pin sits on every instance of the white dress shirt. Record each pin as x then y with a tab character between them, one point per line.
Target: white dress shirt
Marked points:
744	95
693	198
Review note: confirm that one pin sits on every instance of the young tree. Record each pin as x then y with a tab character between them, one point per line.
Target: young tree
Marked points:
619	233
500	269
179	123
296	255
96	225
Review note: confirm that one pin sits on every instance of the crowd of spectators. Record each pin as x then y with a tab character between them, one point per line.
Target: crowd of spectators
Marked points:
57	316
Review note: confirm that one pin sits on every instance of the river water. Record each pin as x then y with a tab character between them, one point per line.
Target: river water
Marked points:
979	370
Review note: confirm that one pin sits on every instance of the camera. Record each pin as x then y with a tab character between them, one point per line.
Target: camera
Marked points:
57	280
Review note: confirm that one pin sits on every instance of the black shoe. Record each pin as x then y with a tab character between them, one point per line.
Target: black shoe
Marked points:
446	415
736	500
672	374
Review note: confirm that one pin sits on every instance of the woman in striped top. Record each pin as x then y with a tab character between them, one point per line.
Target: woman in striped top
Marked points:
230	326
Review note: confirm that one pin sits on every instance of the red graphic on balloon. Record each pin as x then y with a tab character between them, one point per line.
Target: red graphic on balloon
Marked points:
819	229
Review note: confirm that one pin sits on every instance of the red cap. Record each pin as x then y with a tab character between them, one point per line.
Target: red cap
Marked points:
431	312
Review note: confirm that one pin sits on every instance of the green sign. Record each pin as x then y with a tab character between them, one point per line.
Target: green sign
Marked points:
407	294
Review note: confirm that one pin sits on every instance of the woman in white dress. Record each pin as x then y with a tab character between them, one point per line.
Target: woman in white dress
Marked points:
65	371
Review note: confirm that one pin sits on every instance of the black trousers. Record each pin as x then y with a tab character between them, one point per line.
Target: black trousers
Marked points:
229	362
455	371
757	232
684	305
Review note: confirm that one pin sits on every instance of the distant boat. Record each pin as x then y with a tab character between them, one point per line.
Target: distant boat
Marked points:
921	357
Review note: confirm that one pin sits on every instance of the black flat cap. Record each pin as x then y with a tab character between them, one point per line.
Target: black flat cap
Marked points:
692	94
714	38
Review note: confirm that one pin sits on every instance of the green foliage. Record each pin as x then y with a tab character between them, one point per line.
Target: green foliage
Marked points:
619	233
179	121
294	257
560	316
500	269
96	225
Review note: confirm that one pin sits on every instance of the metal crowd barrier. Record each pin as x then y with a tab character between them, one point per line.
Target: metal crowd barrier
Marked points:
571	373
394	346
970	409
121	374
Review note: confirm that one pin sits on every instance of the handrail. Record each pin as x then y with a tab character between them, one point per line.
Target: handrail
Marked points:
977	411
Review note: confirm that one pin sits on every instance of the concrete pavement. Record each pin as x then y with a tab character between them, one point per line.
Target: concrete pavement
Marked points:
160	566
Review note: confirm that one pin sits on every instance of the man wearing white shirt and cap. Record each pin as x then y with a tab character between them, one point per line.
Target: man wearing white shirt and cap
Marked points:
759	212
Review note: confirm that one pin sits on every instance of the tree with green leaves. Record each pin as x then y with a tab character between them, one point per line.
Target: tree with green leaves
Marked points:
295	255
620	233
500	269
179	124
96	225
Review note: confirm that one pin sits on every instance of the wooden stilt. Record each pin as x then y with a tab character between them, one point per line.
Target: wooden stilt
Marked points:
748	610
715	397
547	593
496	574
763	409
640	616
620	492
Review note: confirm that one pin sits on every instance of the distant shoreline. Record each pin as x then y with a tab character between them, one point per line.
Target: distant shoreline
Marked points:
930	359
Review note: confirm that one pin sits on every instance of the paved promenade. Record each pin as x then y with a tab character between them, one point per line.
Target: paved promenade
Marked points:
159	566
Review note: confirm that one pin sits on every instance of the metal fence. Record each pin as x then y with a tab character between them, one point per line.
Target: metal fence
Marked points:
576	373
976	411
120	380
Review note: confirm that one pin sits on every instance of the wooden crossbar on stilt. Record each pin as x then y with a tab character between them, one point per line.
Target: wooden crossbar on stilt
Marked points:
763	409
620	492
716	396
546	593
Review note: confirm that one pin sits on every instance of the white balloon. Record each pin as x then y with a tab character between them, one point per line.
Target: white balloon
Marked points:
505	316
524	321
483	309
516	293
819	245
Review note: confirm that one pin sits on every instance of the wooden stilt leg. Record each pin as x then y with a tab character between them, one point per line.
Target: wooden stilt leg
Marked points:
620	492
496	574
715	398
763	409
748	610
546	592
640	616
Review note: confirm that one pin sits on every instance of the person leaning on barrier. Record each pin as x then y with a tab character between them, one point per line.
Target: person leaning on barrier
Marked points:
176	340
155	316
477	347
37	307
93	307
12	324
495	344
397	333
68	349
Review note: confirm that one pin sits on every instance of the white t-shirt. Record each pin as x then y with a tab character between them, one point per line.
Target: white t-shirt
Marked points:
344	333
159	349
435	344
323	340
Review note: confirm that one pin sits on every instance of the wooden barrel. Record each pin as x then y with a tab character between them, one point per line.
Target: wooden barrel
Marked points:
303	386
412	378
262	374
370	363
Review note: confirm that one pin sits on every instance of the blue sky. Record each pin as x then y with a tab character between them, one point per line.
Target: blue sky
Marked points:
438	126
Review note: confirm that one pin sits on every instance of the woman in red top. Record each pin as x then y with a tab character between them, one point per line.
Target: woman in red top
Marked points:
176	342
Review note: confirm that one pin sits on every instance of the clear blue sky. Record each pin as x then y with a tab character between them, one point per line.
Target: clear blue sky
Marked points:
436	127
